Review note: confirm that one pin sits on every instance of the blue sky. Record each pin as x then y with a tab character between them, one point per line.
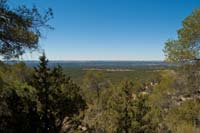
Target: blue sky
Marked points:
111	29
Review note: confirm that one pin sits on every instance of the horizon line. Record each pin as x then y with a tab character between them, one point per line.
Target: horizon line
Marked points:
87	60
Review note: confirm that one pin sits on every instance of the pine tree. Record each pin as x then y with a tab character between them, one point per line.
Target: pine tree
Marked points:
20	28
125	120
58	96
41	81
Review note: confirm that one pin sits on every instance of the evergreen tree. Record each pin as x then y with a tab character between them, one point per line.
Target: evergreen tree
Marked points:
124	111
59	97
18	108
41	81
125	120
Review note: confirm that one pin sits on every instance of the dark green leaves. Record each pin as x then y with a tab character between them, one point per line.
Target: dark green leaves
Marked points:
20	29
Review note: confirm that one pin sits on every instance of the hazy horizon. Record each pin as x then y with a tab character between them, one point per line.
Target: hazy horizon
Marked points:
90	60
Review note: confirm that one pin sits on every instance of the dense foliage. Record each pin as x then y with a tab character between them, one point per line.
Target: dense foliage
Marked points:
20	29
37	100
186	47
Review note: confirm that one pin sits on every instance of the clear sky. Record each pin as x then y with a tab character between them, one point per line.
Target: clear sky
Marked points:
111	29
